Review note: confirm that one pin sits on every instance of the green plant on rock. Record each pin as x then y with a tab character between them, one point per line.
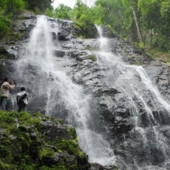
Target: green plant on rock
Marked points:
57	167
73	133
15	36
61	121
137	62
92	57
46	153
2	56
71	146
90	48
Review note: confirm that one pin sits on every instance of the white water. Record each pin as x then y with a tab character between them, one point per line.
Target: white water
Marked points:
122	76
60	89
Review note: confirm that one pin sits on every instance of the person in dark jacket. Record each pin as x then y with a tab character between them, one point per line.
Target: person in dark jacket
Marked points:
22	99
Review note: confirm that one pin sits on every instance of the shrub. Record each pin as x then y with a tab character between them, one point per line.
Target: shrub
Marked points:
92	57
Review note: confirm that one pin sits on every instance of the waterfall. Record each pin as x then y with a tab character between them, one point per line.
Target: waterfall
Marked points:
151	125
44	75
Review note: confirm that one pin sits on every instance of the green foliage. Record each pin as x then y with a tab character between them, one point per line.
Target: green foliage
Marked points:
46	153
71	146
73	133
92	57
84	25
112	14
5	166
90	48
14	7
2	56
9	10
15	36
62	12
60	167
61	121
4	25
49	12
137	62
39	5
19	150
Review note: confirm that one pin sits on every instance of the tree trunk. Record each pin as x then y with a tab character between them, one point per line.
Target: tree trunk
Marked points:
137	23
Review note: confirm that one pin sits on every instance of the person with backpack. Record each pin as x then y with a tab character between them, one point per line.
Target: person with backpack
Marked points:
22	99
4	92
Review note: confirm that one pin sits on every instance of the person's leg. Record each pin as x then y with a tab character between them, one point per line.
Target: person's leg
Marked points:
9	105
24	107
4	102
0	101
19	107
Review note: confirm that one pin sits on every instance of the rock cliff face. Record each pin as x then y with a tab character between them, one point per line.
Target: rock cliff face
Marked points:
128	116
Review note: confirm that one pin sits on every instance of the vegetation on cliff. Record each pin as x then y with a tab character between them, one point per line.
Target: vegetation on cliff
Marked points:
145	23
9	9
32	142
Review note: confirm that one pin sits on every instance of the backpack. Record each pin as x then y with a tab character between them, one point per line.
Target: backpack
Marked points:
21	99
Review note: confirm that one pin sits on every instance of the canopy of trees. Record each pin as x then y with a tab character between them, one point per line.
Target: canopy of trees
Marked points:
145	22
40	5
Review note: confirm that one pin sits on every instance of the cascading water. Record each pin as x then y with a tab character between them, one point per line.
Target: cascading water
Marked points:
42	72
147	145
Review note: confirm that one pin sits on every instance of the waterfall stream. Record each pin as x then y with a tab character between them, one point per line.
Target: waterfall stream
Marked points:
148	144
47	75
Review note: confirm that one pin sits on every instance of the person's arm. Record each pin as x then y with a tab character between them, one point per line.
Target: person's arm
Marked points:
8	86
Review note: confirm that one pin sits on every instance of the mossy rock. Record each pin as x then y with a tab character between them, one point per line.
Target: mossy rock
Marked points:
23	144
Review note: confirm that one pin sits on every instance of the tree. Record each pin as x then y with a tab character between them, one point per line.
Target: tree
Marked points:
84	24
41	5
133	5
62	12
14	7
156	22
112	13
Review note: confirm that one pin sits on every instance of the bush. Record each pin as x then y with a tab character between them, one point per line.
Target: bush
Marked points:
4	26
92	57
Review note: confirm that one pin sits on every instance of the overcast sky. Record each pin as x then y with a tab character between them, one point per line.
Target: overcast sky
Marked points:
71	3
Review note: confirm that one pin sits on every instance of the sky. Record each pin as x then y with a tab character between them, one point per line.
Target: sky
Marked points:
71	3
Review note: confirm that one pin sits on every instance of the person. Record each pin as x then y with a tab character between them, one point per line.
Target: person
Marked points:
4	92
22	99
